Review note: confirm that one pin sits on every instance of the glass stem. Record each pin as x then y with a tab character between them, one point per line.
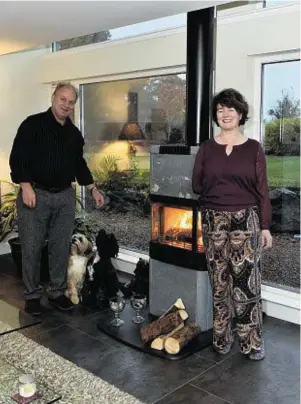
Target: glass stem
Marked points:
116	316
138	313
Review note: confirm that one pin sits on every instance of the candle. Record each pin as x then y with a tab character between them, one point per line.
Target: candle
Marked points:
27	386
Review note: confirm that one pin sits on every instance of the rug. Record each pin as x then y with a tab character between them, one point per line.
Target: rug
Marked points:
74	384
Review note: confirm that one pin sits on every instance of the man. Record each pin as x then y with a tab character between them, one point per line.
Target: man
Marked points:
46	157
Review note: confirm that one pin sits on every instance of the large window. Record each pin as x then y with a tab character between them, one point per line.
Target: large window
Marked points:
263	67
281	140
120	120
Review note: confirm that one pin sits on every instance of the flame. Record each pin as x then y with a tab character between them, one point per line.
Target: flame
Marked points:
180	221
185	221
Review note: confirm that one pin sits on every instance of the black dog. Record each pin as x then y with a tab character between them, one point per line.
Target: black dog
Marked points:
102	282
140	283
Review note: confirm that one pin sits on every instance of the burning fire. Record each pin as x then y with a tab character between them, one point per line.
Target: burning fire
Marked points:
185	221
178	225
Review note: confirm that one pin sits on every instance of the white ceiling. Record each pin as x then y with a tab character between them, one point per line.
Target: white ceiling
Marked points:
28	24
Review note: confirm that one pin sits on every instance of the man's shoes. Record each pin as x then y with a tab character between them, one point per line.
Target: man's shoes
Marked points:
61	303
33	307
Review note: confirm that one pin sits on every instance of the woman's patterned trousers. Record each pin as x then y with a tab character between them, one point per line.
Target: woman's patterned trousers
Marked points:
233	246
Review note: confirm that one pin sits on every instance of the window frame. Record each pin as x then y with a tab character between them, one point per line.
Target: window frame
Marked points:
258	66
78	110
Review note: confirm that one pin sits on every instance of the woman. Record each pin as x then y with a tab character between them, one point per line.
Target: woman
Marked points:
230	177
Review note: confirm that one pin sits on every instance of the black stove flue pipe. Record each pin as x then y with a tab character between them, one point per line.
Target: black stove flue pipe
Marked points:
199	74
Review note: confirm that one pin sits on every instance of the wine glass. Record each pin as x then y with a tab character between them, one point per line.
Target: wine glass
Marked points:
117	305
138	303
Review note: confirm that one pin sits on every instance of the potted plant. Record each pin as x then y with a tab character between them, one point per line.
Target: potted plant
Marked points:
8	210
9	225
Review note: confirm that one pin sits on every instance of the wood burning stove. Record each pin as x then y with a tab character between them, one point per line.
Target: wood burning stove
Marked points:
177	260
177	257
176	232
177	227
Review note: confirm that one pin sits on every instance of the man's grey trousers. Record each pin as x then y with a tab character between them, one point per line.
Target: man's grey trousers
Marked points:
52	219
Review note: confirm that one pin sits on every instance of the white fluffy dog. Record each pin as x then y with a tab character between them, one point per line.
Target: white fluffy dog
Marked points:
81	251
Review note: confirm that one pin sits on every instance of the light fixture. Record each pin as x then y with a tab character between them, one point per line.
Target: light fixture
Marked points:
131	131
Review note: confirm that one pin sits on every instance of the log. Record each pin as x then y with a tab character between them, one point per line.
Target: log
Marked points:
162	325
178	305
178	340
158	343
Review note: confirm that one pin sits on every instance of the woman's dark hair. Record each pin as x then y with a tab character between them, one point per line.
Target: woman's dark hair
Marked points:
232	99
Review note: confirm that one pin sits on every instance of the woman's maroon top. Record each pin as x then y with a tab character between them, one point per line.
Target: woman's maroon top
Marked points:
234	182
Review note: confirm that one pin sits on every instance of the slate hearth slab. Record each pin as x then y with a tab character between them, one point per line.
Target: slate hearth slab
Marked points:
129	334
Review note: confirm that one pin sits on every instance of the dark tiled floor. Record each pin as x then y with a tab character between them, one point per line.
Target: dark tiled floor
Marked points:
204	378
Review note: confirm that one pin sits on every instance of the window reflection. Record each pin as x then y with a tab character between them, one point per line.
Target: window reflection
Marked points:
281	140
121	120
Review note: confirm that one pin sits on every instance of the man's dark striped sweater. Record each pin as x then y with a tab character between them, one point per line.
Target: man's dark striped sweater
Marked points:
48	153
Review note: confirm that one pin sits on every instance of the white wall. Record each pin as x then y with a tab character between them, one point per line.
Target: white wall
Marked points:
21	94
241	39
164	49
244	40
148	52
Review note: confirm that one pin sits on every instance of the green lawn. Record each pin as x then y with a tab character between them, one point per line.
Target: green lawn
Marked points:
283	171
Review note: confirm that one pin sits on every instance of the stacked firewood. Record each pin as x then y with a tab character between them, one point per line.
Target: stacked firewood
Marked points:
170	332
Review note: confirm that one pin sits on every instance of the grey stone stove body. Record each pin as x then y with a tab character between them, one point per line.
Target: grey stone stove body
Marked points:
177	262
